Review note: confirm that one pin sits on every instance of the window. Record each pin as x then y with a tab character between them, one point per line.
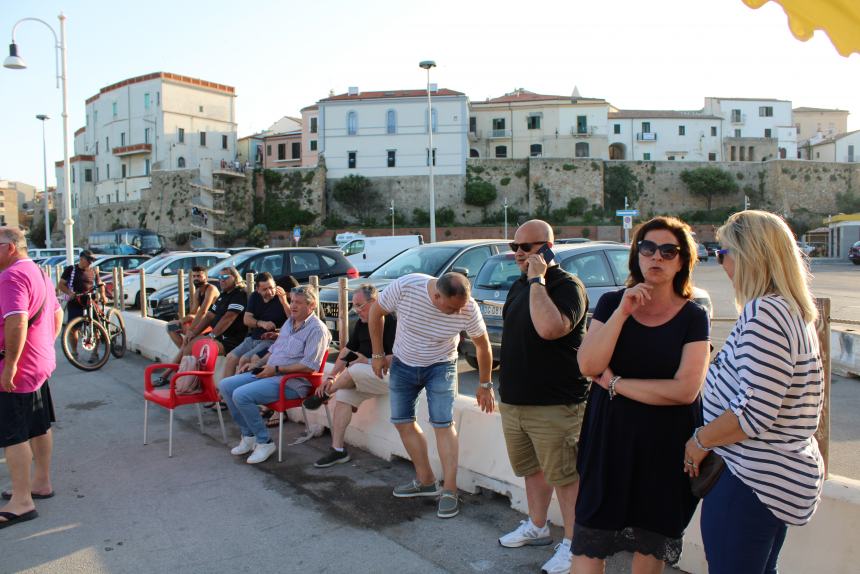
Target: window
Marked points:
670	158
712	156
107	170
713	131
200	109
122	138
474	153
97	148
146	102
737	132
123	169
313	145
181	133
646	127
767	132
533	122
390	122
157	98
536	150
797	127
350	162
581	124
616	128
273	263
435	120
581	150
146	135
733	154
427	156
113	109
501	151
392	158
351	123
591	269
618	260
353	247
742	155
73	181
180	162
202	139
682	130
147	166
88	175
269	150
223	142
296	149
765	111
97	174
282	152
472	260
313	125
646	156
473	125
107	145
850	153
304	262
498	126
736	116
751	153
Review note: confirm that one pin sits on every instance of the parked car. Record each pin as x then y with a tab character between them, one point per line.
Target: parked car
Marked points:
572	240
368	253
107	263
807	249
56	260
602	267
281	262
712	247
164	271
434	259
702	252
854	253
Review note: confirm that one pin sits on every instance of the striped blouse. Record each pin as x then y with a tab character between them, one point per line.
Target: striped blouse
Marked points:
769	373
425	335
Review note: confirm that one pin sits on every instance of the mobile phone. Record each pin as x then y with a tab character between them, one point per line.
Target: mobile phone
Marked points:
350	357
257	370
547	253
173	327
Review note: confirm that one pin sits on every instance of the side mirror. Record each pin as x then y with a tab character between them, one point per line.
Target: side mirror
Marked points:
461	270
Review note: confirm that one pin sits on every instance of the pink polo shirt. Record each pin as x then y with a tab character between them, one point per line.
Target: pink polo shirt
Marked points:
23	287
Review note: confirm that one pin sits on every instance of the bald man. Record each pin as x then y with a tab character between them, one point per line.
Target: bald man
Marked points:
541	388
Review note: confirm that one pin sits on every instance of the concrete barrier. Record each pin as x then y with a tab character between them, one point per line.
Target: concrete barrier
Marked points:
826	544
845	351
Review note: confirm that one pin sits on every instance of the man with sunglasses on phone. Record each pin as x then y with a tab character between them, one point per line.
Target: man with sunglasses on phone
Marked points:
541	388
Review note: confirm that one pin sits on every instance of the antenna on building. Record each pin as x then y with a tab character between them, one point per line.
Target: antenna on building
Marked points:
330	92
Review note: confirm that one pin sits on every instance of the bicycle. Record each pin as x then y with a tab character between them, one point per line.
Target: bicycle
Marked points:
96	332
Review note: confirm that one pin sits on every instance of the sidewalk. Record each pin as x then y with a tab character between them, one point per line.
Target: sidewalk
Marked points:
125	507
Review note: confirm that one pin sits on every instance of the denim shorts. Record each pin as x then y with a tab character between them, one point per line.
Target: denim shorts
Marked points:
405	384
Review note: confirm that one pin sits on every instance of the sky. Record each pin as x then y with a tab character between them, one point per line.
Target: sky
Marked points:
284	55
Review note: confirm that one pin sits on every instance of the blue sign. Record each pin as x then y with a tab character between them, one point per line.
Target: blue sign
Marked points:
626	212
297	233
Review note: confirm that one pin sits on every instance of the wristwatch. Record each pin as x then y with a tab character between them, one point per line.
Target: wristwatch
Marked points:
612	382
539	280
487	385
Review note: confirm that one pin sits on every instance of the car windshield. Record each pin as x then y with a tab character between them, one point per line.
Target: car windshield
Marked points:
232	261
422	259
150	241
150	264
498	273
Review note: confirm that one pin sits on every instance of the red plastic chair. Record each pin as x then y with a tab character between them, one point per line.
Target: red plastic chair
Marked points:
283	403
167	397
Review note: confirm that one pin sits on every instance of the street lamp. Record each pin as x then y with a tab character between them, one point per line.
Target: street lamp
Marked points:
427	64
42	118
15	62
505	206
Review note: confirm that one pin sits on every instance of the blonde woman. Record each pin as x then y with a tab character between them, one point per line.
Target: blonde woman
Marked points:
762	401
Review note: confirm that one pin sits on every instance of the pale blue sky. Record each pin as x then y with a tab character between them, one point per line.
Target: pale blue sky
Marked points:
282	56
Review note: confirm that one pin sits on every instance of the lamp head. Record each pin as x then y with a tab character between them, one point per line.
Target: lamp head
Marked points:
43	117
427	64
14	61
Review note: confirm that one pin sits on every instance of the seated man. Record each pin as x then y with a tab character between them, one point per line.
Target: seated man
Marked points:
298	349
268	307
224	316
352	377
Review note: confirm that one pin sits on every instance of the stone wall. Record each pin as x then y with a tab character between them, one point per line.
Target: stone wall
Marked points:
288	190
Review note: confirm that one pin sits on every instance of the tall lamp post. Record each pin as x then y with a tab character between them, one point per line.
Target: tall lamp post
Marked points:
42	118
427	64
15	62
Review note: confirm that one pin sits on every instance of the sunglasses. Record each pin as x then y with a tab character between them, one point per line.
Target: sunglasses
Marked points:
667	250
526	247
225	277
721	255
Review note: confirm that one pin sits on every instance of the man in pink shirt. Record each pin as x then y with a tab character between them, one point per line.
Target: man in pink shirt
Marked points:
30	320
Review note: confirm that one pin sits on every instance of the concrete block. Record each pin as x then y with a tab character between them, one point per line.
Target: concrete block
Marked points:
845	351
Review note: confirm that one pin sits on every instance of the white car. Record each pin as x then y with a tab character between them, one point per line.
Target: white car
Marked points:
162	271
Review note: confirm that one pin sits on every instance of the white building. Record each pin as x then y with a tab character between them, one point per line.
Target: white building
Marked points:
385	133
841	148
157	121
759	123
664	135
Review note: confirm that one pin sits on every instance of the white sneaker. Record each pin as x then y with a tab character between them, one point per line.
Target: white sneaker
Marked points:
560	561
261	452
527	534
245	446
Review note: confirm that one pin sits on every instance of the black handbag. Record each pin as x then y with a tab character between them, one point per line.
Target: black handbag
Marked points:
710	469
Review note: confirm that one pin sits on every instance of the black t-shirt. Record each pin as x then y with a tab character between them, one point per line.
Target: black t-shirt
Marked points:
359	341
82	282
535	371
234	300
272	311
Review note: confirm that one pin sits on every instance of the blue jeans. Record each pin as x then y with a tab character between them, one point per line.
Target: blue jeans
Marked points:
405	383
741	535
243	393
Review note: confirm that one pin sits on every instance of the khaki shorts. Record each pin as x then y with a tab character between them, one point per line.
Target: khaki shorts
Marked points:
367	385
543	438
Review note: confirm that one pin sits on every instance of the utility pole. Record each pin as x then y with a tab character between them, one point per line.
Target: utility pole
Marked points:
626	231
392	217
506	217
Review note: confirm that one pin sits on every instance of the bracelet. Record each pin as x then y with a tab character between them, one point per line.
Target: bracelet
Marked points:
612	383
698	443
377	355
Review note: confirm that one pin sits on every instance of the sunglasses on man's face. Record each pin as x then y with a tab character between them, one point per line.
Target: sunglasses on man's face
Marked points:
526	247
225	277
667	250
721	255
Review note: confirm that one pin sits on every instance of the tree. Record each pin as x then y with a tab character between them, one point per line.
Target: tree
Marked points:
709	182
619	183
355	192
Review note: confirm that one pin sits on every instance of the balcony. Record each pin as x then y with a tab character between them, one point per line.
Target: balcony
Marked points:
646	137
497	134
739	118
204	203
136	149
203	222
578	132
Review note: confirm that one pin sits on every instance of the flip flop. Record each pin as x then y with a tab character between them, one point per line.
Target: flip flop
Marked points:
6	495
12	519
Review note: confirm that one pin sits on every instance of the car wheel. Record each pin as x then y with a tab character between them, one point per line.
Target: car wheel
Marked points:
472	361
855	261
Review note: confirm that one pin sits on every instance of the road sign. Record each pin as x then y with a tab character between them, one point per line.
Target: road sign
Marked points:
626	212
297	233
628	222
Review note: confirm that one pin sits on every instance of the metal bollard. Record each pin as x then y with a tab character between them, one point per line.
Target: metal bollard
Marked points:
58	272
115	292
180	278
249	283
119	289
342	312
142	294
314	281
822	434
192	293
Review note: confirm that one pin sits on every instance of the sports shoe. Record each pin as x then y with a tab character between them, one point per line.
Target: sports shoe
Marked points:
449	505
245	446
560	561
527	534
415	488
261	452
314	402
332	458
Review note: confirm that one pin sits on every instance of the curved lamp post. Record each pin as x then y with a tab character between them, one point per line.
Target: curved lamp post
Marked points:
15	62
427	64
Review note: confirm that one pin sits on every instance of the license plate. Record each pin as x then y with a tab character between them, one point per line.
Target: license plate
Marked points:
491	310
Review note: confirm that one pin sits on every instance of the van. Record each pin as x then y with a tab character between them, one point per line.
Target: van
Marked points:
368	253
342	239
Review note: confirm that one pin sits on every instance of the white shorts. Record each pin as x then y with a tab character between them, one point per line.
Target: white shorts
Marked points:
367	385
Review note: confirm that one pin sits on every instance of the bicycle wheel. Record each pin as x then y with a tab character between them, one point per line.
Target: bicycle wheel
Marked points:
86	344
116	330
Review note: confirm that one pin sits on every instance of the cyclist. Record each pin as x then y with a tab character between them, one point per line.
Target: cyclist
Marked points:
77	280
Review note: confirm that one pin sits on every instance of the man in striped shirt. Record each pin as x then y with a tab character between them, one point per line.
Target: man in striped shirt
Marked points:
431	313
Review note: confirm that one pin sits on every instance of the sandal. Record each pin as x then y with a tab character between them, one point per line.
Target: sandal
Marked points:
273	420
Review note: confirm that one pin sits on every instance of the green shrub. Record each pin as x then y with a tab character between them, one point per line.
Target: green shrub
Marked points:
480	193
577	206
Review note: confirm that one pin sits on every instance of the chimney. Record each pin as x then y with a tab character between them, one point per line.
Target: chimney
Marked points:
353	90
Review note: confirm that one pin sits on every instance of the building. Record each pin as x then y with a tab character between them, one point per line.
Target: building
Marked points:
524	124
157	121
820	123
249	150
310	136
385	133
841	148
664	135
755	129
24	196
283	144
8	205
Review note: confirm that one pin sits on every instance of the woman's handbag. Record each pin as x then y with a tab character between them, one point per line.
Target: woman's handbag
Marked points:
190	384
710	469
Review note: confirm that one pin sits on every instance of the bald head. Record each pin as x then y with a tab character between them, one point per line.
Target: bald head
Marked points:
535	230
454	284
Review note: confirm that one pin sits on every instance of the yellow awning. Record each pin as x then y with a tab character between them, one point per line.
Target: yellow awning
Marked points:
840	20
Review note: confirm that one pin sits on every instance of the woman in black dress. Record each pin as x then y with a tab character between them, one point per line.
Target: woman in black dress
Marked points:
647	351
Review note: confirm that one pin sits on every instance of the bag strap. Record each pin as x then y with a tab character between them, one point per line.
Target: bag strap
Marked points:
38	313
